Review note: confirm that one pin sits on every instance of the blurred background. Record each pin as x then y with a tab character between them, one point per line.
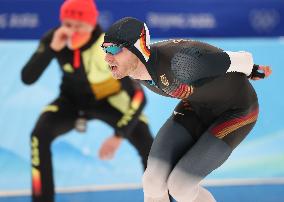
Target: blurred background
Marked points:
255	171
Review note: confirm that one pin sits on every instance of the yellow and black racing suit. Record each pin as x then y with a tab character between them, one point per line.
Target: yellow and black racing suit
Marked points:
87	91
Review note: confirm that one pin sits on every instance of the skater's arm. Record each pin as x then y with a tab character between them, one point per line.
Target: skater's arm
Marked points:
38	61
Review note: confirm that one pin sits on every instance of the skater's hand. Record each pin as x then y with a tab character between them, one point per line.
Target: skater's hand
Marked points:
261	72
60	37
109	147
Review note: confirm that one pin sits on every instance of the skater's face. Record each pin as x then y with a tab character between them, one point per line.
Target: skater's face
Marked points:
77	26
121	61
80	33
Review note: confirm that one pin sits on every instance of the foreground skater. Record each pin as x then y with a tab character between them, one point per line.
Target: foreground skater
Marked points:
218	106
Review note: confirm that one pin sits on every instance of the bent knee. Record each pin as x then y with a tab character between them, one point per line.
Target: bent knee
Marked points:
182	187
154	185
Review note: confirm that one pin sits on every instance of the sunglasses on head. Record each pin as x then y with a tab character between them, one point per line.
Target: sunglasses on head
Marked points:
112	49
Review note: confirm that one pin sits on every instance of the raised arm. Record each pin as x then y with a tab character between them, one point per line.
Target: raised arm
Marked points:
38	61
243	62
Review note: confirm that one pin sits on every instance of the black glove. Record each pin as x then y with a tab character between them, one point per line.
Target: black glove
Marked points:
255	73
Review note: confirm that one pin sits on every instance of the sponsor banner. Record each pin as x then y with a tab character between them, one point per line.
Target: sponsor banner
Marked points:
29	19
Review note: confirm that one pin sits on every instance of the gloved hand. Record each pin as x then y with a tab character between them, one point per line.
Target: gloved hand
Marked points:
260	72
109	147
